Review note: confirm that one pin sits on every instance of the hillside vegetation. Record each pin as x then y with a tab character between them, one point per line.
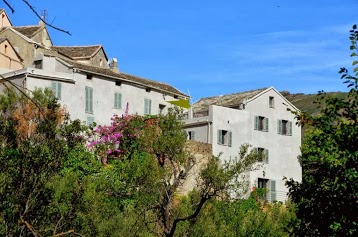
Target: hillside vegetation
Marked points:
305	102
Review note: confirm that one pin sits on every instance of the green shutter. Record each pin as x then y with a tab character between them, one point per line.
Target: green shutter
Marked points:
87	99
290	128
230	139
266	125
59	89
273	190
279	126
266	156
117	100
91	100
150	106
256	121
54	87
193	135
220	136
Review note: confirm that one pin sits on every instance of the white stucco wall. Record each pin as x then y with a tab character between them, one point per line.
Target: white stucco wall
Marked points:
283	149
73	94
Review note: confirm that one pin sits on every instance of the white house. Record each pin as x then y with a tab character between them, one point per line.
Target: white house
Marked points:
260	118
83	79
92	93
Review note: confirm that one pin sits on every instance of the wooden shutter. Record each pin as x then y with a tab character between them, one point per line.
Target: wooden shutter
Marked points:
54	88
290	128
87	99
266	124
59	90
193	135
220	136
91	100
273	190
256	122
266	156
117	100
147	106
279	126
230	138
150	106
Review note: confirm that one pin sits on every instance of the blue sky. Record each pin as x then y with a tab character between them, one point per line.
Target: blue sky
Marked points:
212	47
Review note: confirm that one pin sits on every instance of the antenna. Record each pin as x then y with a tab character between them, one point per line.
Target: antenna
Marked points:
44	14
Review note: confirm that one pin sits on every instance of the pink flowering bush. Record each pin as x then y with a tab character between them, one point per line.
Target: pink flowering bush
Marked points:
119	139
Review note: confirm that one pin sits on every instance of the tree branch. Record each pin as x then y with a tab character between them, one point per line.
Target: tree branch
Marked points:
45	22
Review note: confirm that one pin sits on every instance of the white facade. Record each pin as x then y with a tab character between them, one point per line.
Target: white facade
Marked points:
228	128
90	96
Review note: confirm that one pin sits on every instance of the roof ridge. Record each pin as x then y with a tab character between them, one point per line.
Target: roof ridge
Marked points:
26	26
73	46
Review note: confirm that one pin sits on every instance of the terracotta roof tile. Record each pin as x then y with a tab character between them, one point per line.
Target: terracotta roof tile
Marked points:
28	31
120	76
78	51
229	100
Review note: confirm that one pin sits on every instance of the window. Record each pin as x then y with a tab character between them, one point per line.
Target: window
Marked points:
147	106
89	99
148	89
56	88
191	135
38	64
271	102
263	154
284	127
118	83
90	121
261	123
224	137
270	185
89	76
117	100
161	108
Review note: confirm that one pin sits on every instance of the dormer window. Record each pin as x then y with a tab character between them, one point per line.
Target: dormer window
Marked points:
89	76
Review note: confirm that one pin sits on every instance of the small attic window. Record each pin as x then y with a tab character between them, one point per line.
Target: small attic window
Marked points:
38	64
101	62
148	89
118	83
5	48
175	97
89	76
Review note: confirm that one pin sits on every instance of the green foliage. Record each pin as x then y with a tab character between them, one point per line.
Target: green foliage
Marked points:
327	197
246	217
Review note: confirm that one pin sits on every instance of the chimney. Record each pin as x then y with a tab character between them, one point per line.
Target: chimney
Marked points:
113	65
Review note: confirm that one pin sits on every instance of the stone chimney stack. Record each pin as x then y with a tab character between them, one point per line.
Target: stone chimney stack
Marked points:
113	65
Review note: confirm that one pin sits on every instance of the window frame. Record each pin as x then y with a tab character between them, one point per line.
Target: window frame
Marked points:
56	87
284	127
261	123
117	100
272	102
265	154
224	137
147	106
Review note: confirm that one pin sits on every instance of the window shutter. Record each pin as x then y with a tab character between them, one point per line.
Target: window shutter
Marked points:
115	101
54	88
91	100
193	135
256	121
59	89
230	139
266	125
87	99
290	128
266	156
150	106
273	190
256	150
219	136
279	126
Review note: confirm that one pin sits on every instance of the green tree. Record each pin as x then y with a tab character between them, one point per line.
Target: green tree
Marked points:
326	198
